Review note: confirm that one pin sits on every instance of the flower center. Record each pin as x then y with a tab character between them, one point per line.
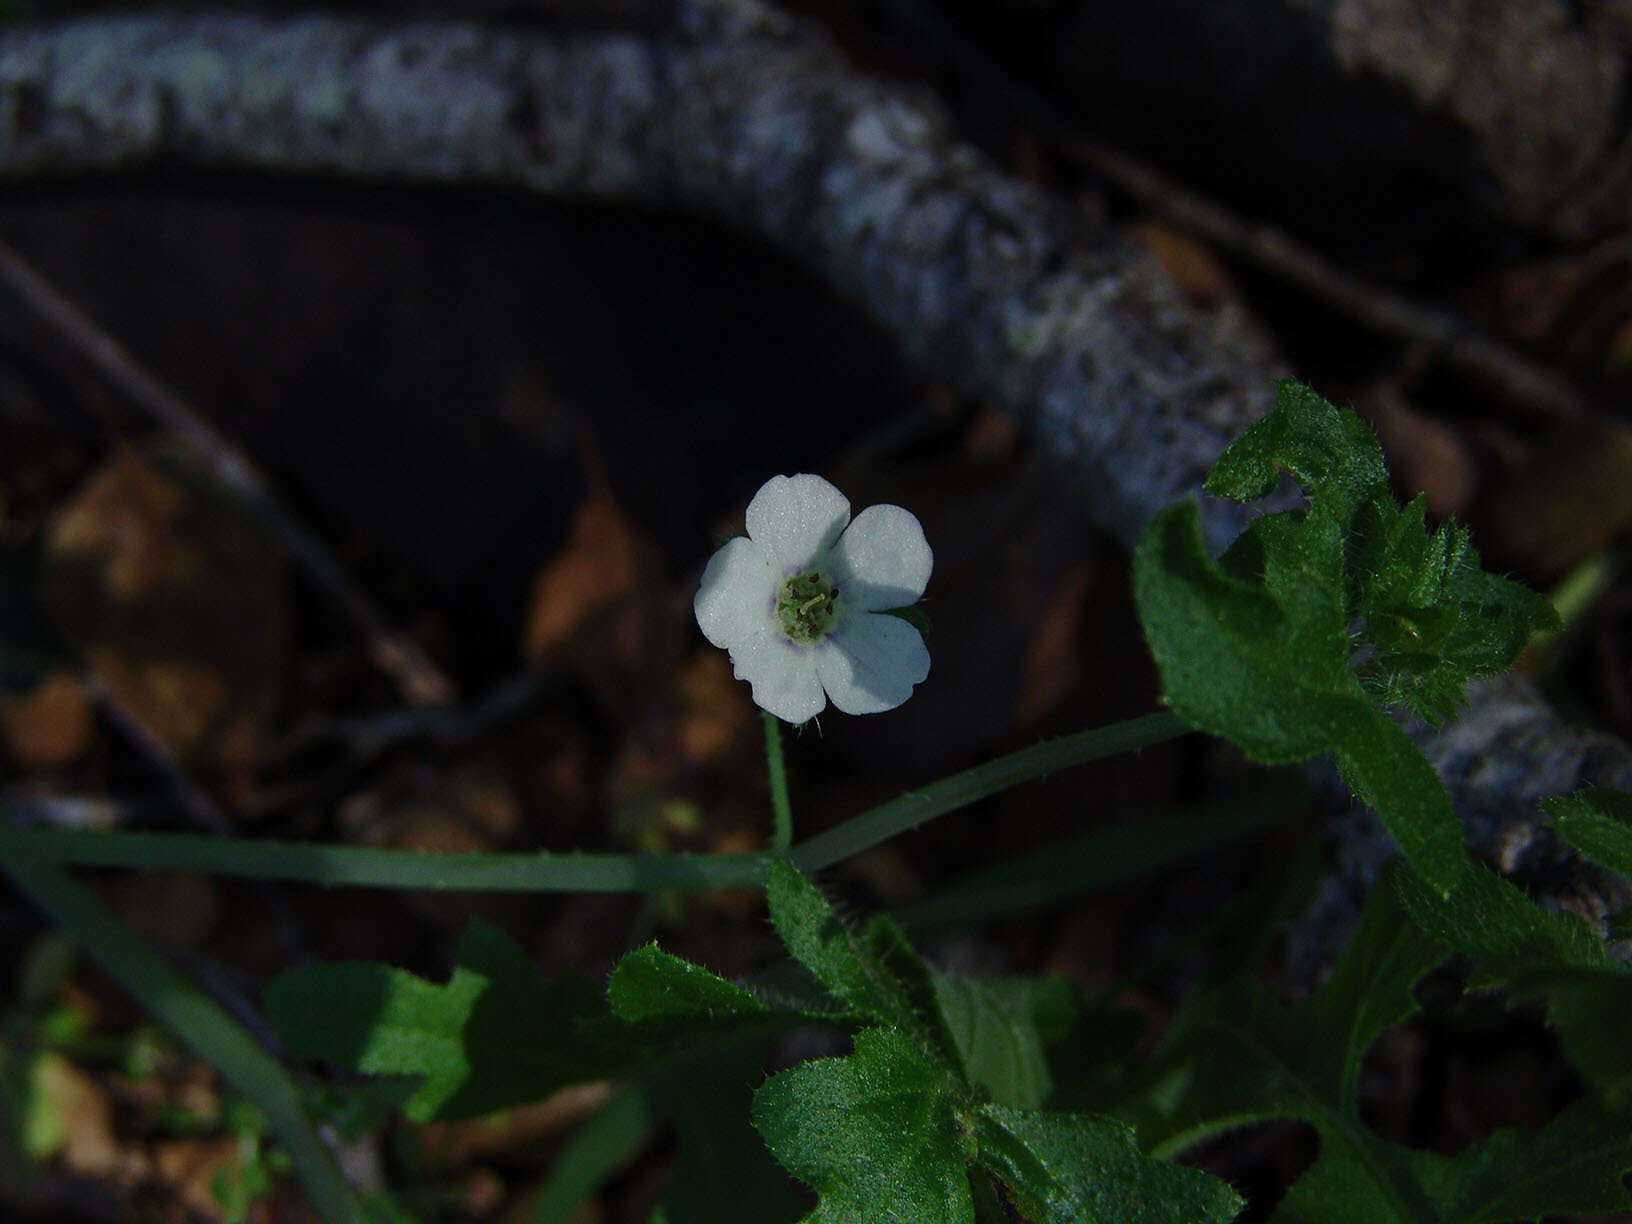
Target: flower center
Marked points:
805	607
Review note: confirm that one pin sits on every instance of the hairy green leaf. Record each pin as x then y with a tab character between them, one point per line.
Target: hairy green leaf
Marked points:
877	973
498	1034
1597	821
1002	1028
1266	666
649	984
1316	621
723	1173
1237	1055
1577	1163
1075	1169
1536	953
875	1134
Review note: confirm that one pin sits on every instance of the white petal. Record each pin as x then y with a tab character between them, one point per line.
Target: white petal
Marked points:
738	596
882	560
795	519
782	674
870	663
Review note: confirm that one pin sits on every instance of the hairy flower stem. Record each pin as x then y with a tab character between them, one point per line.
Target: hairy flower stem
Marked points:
781	809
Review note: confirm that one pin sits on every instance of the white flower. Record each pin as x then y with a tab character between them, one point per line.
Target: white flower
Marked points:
799	601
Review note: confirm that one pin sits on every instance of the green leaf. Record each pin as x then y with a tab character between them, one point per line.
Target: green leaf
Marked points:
1074	1169
1597	821
1536	953
878	973
1577	1163
1433	618
1315	622
1333	454
723	1173
497	1034
875	1134
1237	1055
1002	1028
1266	666
649	983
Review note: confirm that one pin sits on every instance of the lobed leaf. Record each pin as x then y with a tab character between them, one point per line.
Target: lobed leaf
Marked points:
1239	1056
877	973
1536	953
1076	1169
876	1134
1316	621
1002	1028
1577	1163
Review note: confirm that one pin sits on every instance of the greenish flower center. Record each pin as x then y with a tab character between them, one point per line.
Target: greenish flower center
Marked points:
805	607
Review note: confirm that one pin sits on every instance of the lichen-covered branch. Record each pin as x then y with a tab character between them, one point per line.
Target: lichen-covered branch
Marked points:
737	113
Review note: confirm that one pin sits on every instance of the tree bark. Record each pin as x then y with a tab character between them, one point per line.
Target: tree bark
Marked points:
736	113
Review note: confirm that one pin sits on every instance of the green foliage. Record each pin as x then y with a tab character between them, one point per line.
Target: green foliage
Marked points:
1538	954
1002	1029
877	1134
1575	1164
896	1130
1239	1056
495	1035
1597	821
1316	621
1075	1169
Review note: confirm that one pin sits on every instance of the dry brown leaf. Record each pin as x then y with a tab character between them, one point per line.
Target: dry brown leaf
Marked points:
1574	307
50	726
188	1169
714	711
125	519
1053	665
179	602
1564	501
453	1145
1424	454
83	1115
599	567
177	700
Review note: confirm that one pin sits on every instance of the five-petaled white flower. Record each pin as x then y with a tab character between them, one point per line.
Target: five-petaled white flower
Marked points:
800	601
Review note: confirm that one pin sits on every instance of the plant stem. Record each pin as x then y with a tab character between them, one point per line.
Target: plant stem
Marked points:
914	808
365	867
200	1022
781	809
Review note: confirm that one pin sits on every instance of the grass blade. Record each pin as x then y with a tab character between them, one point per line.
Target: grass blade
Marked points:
198	1021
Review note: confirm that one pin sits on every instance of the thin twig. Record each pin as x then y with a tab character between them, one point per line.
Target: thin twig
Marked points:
1443	335
193	802
418	679
198	807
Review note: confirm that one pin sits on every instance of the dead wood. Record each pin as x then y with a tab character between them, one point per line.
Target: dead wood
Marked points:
736	113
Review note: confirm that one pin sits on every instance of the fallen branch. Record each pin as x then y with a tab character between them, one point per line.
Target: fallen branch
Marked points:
739	114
